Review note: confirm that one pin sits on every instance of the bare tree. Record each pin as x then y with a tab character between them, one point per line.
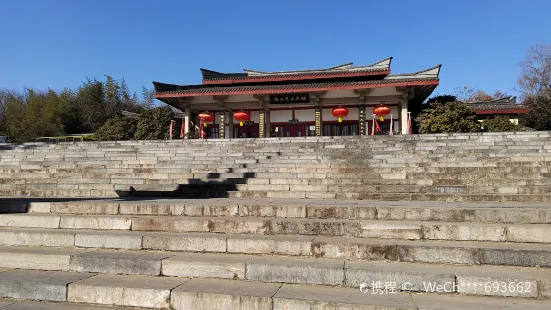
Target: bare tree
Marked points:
535	72
470	94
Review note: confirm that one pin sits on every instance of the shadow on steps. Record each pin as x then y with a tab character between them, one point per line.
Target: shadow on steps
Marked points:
195	188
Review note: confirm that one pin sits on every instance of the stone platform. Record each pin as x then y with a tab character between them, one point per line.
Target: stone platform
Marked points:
459	221
273	254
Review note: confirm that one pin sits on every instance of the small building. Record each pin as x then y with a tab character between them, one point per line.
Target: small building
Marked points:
507	107
301	103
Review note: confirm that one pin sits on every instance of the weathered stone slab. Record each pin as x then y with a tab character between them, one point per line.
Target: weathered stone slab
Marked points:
391	230
185	242
5	303
303	297
349	248
29	220
517	255
439	252
103	208
112	222
35	284
341	212
464	232
150	208
206	265
227	209
272	210
495	281
461	302
403	276
529	233
132	291
206	294
296	270
44	305
109	240
441	214
258	244
239	225
119	262
39	207
513	215
36	237
170	224
37	258
321	227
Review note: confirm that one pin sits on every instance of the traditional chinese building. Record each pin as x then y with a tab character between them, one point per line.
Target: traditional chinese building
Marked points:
507	107
301	103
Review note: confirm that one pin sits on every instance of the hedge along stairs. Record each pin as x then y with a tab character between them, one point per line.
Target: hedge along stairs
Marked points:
87	247
447	167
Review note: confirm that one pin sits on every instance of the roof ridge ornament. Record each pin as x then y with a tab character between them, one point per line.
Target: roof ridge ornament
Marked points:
381	64
432	72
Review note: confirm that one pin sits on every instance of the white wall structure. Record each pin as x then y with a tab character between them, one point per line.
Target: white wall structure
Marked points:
281	116
305	115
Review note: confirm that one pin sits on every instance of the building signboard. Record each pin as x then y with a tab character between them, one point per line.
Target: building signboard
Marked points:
289	98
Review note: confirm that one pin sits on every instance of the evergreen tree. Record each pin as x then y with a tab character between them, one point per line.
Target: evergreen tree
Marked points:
154	124
450	117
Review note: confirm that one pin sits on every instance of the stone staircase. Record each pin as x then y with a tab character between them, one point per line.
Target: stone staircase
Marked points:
274	254
461	167
405	222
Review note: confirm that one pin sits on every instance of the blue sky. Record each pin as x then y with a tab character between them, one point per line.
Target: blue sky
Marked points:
58	43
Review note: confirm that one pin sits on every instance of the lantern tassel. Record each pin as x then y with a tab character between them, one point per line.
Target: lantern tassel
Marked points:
240	123
339	119
382	118
205	124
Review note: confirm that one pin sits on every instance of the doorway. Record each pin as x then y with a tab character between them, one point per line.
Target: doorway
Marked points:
245	131
293	130
341	129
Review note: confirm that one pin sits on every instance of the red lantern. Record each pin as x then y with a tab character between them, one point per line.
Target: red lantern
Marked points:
381	111
241	117
206	117
339	112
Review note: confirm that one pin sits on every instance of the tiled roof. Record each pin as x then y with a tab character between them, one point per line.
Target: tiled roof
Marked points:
381	64
427	73
382	67
327	74
501	104
496	106
198	90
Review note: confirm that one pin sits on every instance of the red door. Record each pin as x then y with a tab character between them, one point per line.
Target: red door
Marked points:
296	130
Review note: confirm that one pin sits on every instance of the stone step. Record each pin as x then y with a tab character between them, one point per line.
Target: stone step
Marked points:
36	284
317	209
163	182
527	164
519	198
422	251
124	170
218	294
13	304
410	230
380	142
450	193
523	186
415	277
